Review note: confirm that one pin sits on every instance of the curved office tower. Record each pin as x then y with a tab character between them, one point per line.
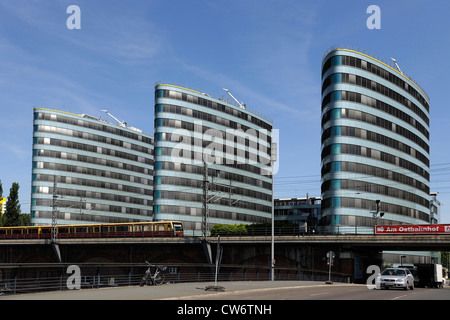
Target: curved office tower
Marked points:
103	171
375	144
212	161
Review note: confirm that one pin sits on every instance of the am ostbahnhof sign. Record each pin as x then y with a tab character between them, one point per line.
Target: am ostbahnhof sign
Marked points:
414	228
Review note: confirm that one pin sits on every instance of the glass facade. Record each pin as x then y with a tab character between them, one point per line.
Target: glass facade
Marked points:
103	172
375	143
194	134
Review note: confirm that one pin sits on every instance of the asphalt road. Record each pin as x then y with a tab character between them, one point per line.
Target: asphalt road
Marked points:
242	291
331	292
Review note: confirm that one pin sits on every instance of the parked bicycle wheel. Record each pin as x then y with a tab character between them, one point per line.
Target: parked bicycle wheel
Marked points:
159	279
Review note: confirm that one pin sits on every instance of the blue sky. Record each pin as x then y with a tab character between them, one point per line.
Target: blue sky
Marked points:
267	52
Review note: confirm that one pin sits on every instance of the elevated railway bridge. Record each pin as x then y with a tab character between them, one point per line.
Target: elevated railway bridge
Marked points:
354	253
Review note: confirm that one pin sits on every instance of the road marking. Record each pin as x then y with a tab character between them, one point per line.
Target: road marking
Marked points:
405	295
319	294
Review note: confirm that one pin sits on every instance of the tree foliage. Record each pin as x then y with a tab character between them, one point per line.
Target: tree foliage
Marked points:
228	229
12	213
251	229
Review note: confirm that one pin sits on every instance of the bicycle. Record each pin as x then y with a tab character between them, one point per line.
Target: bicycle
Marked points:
157	278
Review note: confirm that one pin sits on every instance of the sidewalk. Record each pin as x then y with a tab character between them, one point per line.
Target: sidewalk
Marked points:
194	290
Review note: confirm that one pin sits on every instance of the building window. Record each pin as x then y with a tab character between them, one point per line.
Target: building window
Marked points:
336	78
335	202
335	113
335	148
335	131
335	184
335	220
336	60
336	95
335	166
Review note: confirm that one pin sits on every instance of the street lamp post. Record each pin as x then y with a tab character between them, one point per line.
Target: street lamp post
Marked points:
273	159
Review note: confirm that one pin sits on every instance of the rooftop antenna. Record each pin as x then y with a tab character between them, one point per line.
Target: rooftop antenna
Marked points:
120	123
395	62
241	105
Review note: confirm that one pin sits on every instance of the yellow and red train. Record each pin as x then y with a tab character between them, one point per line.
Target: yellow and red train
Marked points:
104	230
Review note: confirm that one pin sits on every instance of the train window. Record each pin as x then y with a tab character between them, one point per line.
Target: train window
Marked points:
96	229
46	230
16	231
178	226
2	231
63	230
80	229
122	228
32	231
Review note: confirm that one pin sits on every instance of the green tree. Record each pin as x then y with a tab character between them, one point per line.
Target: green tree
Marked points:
228	229
12	212
445	258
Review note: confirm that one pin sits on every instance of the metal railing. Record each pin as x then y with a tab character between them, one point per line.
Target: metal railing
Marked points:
295	231
31	278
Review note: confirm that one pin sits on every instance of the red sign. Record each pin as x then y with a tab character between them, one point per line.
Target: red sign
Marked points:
413	228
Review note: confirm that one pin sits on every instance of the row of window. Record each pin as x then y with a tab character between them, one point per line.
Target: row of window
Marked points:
181	167
88	148
91	171
345	113
86	209
357	203
124	200
364	169
220	214
86	159
230	147
371	102
297	202
92	137
374	69
375	137
36	214
302	214
229	124
374	86
212	155
171	94
94	183
182	158
192	197
367	187
374	154
213	187
386	124
225	140
358	221
92	125
207	132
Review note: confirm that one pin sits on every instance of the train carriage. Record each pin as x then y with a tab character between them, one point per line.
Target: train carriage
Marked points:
106	230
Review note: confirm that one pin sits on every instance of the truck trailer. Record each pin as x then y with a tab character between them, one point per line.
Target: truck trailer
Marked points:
429	275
